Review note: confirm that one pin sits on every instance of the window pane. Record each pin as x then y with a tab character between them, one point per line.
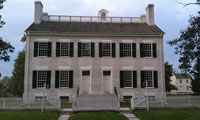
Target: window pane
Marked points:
64	78
43	49
147	50
106	49
86	73
106	73
148	76
128	79
86	49
42	77
127	50
64	49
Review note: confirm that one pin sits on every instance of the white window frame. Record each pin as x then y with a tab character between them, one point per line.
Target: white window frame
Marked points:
41	86
131	78
150	49
106	51
65	49
131	55
152	78
67	80
82	55
40	49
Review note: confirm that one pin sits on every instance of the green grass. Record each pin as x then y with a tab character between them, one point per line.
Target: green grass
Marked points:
66	105
168	114
98	116
28	115
125	104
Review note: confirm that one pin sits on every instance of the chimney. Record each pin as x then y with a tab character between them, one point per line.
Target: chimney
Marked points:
38	12
150	14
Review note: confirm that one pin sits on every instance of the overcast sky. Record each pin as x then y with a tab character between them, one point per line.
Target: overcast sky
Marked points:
170	16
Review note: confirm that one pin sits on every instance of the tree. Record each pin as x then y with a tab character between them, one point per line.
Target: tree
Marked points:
188	47
4	86
168	74
5	47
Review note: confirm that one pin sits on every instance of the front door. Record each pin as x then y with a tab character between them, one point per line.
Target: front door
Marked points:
85	81
107	83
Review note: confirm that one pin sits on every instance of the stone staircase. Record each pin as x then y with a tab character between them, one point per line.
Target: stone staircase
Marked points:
96	102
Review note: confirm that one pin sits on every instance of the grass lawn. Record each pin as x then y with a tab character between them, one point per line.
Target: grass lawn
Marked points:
66	105
168	114
125	105
98	116
28	115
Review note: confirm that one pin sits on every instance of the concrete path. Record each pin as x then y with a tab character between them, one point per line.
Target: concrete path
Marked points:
65	114
128	113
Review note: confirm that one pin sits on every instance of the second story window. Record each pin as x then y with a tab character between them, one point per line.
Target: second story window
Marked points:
127	50
148	50
107	49
86	49
42	49
64	49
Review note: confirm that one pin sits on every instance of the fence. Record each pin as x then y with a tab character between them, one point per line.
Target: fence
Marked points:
166	102
20	104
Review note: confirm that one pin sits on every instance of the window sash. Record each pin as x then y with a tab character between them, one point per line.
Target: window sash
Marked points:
128	79
127	50
147	49
42	48
86	49
106	49
41	79
64	78
64	49
148	75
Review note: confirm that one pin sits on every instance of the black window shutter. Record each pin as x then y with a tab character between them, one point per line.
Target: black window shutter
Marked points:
79	49
100	49
34	82
71	49
48	79
92	49
134	50
121	79
57	79
142	79
155	74
57	49
121	49
141	50
134	79
154	50
113	50
70	79
49	49
35	49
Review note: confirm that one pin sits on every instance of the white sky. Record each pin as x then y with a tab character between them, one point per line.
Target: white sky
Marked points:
170	16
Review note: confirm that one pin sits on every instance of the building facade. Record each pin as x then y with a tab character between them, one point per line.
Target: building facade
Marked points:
182	82
95	54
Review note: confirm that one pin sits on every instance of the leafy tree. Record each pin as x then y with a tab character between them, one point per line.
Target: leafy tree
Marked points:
4	86
168	74
188	47
23	39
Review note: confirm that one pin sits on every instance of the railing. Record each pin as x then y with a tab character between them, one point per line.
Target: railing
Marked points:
115	91
93	19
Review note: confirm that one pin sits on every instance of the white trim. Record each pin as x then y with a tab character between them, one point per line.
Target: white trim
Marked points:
85	40
128	68
86	67
107	41
147	41
106	67
42	67
64	67
127	41
148	68
42	40
64	40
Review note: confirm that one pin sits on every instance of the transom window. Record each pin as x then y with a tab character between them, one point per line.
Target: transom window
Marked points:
127	79
147	50
43	49
148	76
106	49
127	49
64	78
64	49
86	49
42	78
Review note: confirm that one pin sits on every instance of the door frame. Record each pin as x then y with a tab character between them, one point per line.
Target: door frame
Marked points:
111	75
89	80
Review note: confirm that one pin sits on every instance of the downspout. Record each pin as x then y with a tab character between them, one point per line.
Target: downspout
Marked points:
28	54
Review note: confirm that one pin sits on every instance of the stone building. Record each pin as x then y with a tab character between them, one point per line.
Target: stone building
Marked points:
93	55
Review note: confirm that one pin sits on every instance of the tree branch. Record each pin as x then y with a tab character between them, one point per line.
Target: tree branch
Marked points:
187	4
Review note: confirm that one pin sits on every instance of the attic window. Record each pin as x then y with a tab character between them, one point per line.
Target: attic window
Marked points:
103	16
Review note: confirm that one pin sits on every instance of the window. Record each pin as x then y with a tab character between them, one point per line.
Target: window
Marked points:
103	16
188	88
106	49
64	49
106	73
64	78
187	81
42	78
128	79
127	49
86	51
148	76
43	49
180	81
64	98
147	50
86	73
127	98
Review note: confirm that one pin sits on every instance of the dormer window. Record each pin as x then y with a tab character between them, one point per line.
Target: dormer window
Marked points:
103	16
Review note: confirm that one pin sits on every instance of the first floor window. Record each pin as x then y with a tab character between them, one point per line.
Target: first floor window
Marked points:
127	98
128	79
64	99
148	76
64	78
43	48
42	78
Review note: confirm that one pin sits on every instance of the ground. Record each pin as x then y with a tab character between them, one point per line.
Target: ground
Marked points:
28	115
168	114
98	116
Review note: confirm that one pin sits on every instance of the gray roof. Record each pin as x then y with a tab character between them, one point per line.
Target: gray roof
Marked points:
182	76
96	28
